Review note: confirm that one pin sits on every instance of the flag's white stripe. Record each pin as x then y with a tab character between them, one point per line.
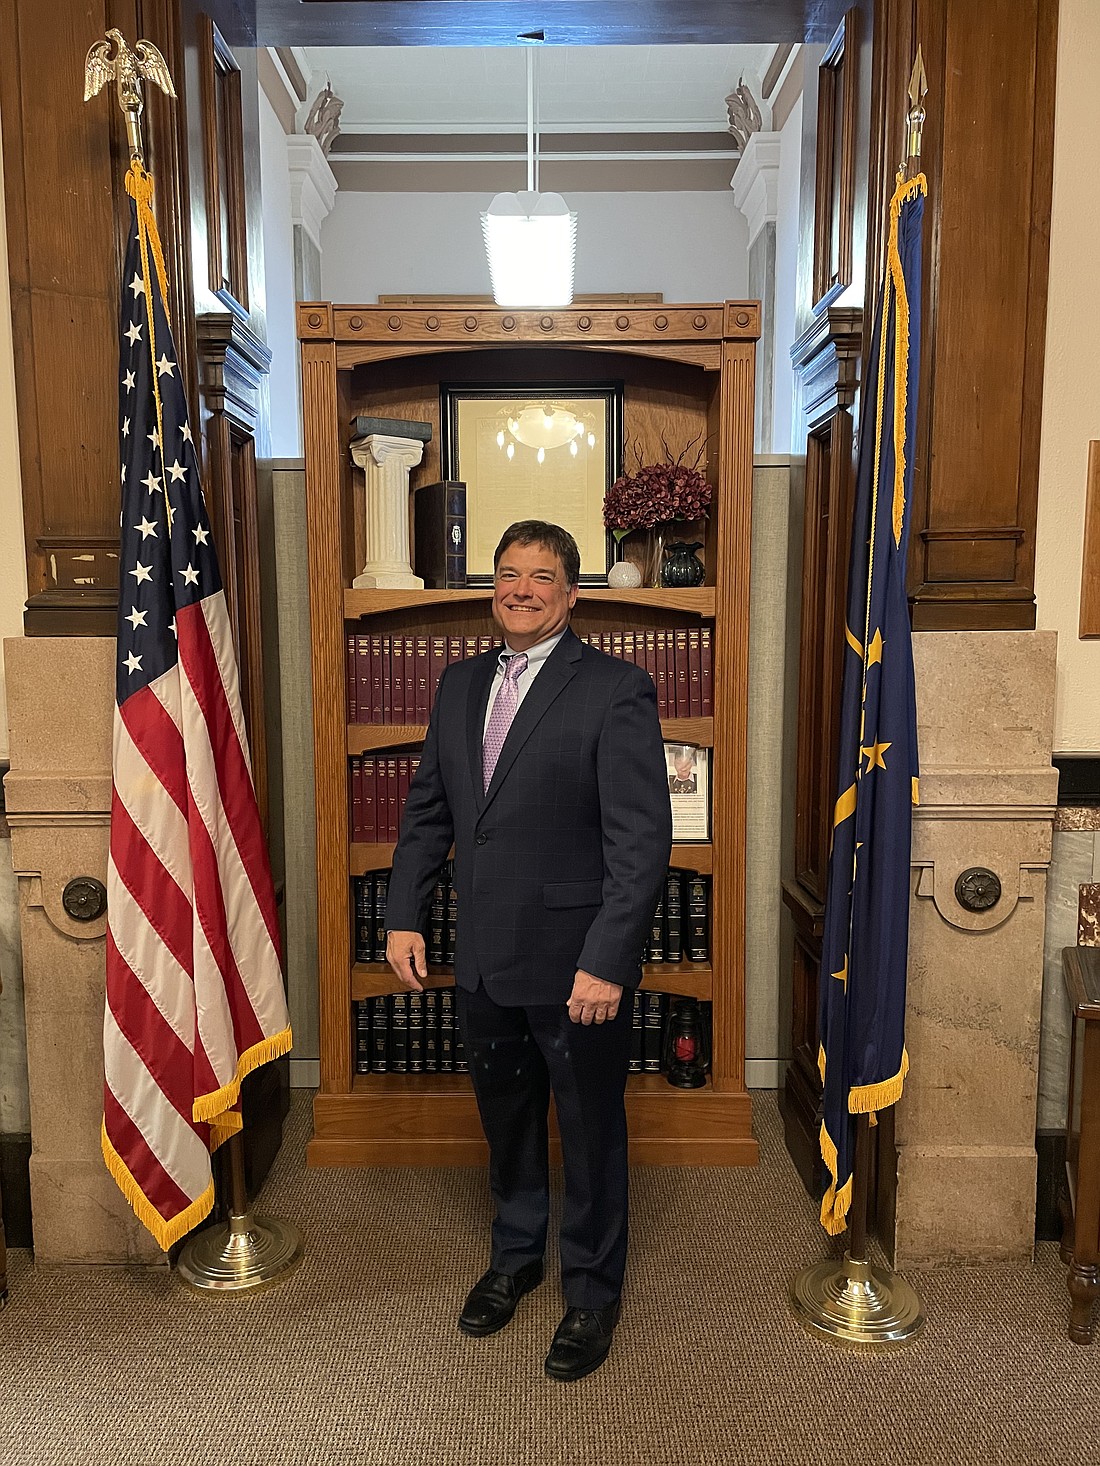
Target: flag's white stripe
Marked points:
142	949
166	689
249	939
221	639
174	1143
151	807
214	1020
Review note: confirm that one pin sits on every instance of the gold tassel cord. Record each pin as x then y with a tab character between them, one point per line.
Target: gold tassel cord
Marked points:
139	185
902	194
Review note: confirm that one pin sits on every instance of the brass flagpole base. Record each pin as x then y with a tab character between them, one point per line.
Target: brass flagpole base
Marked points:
853	1302
251	1253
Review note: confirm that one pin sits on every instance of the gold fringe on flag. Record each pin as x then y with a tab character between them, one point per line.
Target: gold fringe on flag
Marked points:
165	1234
216	1106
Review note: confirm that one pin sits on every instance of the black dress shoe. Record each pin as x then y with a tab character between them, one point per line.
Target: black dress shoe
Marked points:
582	1341
492	1300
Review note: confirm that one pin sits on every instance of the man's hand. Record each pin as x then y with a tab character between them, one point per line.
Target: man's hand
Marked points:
405	953
592	1000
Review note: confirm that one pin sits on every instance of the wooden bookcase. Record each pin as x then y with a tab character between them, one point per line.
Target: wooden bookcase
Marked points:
685	370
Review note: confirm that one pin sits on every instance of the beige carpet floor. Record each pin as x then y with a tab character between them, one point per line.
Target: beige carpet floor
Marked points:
355	1358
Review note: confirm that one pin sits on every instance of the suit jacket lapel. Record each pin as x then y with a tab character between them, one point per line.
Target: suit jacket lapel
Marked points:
560	668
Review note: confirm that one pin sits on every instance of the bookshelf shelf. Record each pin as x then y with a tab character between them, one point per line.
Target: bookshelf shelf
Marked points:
697	600
685	979
691	379
366	737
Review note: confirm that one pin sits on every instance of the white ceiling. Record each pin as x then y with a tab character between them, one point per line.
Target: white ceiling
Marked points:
434	89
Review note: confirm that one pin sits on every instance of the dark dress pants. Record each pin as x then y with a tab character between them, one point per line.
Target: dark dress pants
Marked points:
517	1057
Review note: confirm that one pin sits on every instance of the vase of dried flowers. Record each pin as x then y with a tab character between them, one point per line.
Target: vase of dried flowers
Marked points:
652	498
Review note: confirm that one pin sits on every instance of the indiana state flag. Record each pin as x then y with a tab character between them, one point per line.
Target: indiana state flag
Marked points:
862	1057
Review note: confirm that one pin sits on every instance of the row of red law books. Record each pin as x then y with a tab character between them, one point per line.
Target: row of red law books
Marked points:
377	789
393	679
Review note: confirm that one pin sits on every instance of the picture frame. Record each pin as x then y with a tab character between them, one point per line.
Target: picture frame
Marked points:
491	437
688	769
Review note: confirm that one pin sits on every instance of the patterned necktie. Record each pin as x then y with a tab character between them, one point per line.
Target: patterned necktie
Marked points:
504	710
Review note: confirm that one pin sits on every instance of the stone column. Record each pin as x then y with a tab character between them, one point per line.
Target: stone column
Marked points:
386	463
59	807
755	187
965	1127
312	197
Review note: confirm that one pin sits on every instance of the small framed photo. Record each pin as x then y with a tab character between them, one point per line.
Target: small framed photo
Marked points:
688	770
538	452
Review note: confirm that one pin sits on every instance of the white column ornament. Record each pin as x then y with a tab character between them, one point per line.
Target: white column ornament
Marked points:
386	464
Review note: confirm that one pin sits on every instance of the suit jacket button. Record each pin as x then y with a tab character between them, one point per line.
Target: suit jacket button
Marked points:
481	839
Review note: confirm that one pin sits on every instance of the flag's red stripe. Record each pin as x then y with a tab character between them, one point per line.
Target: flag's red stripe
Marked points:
156	1184
210	911
166	908
159	742
234	779
150	1035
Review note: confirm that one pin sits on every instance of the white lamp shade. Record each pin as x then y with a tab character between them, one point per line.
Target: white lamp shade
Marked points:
531	241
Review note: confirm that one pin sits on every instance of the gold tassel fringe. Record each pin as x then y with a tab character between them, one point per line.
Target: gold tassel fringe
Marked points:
164	1234
213	1107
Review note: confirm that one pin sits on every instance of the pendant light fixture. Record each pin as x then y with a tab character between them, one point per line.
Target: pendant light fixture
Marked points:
530	237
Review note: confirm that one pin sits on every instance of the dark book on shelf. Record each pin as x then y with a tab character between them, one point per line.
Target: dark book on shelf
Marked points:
416	1033
656	949
653	1024
380	1036
462	1062
399	1033
698	918
636	1034
431	1031
391	427
362	1038
674	931
437	921
381	892
364	918
446	1031
439	523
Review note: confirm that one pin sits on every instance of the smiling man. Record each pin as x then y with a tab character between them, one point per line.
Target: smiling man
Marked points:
544	767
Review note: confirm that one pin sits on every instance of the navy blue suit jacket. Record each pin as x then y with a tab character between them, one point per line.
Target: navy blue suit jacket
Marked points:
559	864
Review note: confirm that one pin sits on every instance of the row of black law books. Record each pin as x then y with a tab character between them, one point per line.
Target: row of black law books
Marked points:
680	930
419	1033
393	679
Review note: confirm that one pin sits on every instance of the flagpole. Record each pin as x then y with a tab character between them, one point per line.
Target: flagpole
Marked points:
247	1252
851	1300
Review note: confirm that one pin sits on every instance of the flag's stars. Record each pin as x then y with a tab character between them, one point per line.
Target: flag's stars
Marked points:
202	535
133	663
122	480
172	628
177	471
133	333
125	427
190	575
171	514
165	368
186	431
128	381
151	482
154	438
136	618
137	285
143	572
145	528
874	651
842	975
874	755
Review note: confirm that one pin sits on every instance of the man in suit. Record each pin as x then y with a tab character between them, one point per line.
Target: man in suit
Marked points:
544	766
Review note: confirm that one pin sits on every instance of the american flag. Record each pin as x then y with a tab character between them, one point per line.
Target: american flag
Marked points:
195	997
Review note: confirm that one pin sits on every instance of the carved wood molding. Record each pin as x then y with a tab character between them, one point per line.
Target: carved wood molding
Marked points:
234	364
826	360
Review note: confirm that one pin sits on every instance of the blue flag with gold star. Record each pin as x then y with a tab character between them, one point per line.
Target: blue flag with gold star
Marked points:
862	1058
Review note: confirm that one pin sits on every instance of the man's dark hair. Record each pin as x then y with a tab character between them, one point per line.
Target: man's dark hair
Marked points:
551	537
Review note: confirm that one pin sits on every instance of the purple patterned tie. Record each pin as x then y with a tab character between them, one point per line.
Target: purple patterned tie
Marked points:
504	710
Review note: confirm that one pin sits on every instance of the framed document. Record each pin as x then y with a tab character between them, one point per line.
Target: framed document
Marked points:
688	770
542	452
